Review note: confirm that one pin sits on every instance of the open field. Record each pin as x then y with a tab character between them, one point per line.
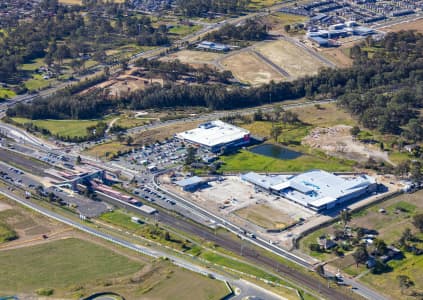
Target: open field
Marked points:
37	82
6	93
248	68
291	58
183	30
106	149
23	226
245	160
79	2
161	133
257	4
55	265
182	284
72	128
414	25
324	115
337	56
32	263
265	216
193	57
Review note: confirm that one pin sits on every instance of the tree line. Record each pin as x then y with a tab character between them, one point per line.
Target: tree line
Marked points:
384	90
251	30
198	8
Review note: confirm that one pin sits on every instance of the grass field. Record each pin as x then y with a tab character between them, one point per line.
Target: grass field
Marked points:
257	4
245	160
70	128
248	68
286	55
183	30
6	93
37	82
186	285
107	149
55	265
324	115
34	65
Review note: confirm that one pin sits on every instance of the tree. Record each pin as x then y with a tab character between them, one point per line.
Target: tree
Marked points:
129	140
345	217
360	255
275	132
190	158
320	269
120	137
407	235
380	246
51	197
355	131
405	282
418	221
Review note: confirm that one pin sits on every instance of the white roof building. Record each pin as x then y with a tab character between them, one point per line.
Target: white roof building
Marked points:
216	134
315	189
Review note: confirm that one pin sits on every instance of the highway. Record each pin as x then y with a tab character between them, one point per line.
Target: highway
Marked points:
247	289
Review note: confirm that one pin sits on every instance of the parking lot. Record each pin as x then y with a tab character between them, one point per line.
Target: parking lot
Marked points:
160	156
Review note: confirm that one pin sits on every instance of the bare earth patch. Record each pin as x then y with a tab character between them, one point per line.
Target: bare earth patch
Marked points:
4	206
266	215
247	67
338	141
193	57
413	25
291	58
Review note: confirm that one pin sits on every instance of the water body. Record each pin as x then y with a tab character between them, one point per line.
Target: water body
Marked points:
275	151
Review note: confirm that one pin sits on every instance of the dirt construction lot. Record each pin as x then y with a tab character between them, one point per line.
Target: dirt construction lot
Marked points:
337	141
248	68
291	58
193	57
415	25
238	201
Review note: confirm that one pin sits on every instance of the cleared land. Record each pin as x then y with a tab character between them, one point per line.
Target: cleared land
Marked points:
193	57
413	25
245	161
265	216
6	93
294	60
55	266
248	68
324	115
161	133
337	56
72	128
23	226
